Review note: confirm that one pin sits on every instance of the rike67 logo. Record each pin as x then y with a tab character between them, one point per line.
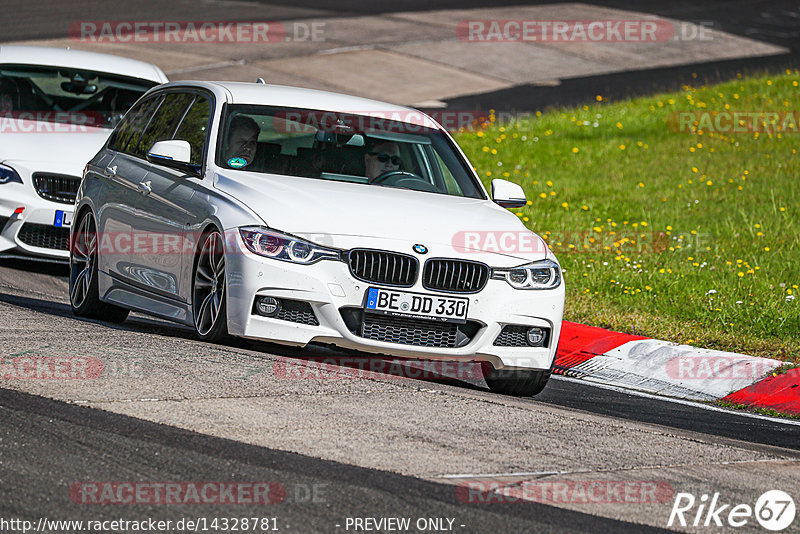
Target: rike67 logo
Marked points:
774	510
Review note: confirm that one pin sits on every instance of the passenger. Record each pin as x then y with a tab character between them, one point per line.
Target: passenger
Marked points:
381	158
7	95
6	104
242	142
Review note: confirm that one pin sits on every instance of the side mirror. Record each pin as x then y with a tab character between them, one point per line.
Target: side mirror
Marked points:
174	154
507	194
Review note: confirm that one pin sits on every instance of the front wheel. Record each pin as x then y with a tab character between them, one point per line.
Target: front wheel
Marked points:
516	382
209	296
83	293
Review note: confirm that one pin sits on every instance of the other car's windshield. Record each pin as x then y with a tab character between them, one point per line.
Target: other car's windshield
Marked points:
343	147
61	94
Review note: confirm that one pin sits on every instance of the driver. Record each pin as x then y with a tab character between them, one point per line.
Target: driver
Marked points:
242	142
381	158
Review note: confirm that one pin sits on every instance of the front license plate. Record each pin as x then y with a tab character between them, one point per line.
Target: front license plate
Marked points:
418	305
63	219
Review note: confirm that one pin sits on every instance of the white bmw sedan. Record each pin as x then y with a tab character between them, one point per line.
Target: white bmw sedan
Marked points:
57	108
300	216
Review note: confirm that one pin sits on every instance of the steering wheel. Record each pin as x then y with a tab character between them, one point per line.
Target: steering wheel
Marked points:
405	179
383	177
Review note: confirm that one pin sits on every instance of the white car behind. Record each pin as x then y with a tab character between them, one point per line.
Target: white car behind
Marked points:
57	108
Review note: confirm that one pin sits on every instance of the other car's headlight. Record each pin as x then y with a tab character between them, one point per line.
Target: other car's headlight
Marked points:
545	274
7	175
279	246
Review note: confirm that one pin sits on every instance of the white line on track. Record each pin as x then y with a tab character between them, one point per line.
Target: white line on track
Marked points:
354	48
495	475
206	66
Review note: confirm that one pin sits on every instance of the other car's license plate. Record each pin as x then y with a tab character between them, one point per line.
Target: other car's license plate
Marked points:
405	304
63	218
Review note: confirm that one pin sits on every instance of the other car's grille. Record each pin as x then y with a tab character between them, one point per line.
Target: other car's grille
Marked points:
44	236
382	267
409	331
297	312
458	276
57	187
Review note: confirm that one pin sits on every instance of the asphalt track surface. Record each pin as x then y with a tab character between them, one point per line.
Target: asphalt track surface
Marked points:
64	442
772	21
47	445
568	393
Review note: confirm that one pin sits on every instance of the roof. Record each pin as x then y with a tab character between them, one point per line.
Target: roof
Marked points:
300	97
80	59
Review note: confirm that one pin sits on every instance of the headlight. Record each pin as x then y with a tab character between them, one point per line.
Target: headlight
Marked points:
278	246
544	274
7	175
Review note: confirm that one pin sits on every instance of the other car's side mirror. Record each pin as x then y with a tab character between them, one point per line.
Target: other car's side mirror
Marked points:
175	154
507	194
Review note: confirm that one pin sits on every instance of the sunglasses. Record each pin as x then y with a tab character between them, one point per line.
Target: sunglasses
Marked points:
383	158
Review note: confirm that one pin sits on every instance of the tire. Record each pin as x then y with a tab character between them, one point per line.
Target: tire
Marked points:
516	382
209	294
83	293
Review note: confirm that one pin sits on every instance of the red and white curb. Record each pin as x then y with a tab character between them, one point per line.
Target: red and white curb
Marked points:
669	369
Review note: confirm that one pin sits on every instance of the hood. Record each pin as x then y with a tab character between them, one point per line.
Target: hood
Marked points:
308	206
47	146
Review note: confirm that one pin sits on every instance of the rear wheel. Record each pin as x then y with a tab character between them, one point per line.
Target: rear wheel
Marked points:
516	382
83	293
208	290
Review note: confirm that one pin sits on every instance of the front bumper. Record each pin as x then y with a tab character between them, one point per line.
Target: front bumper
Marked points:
329	287
32	232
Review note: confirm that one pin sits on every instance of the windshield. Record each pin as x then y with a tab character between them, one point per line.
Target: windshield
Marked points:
60	94
343	147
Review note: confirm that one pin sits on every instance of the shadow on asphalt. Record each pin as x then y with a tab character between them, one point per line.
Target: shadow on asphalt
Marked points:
317	361
57	269
313	360
325	360
79	443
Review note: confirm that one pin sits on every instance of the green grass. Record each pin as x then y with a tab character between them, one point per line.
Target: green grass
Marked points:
688	237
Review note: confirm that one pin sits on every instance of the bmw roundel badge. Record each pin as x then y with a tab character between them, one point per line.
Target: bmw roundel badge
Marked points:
420	249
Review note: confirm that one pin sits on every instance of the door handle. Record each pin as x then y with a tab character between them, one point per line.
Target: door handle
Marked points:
110	172
145	187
